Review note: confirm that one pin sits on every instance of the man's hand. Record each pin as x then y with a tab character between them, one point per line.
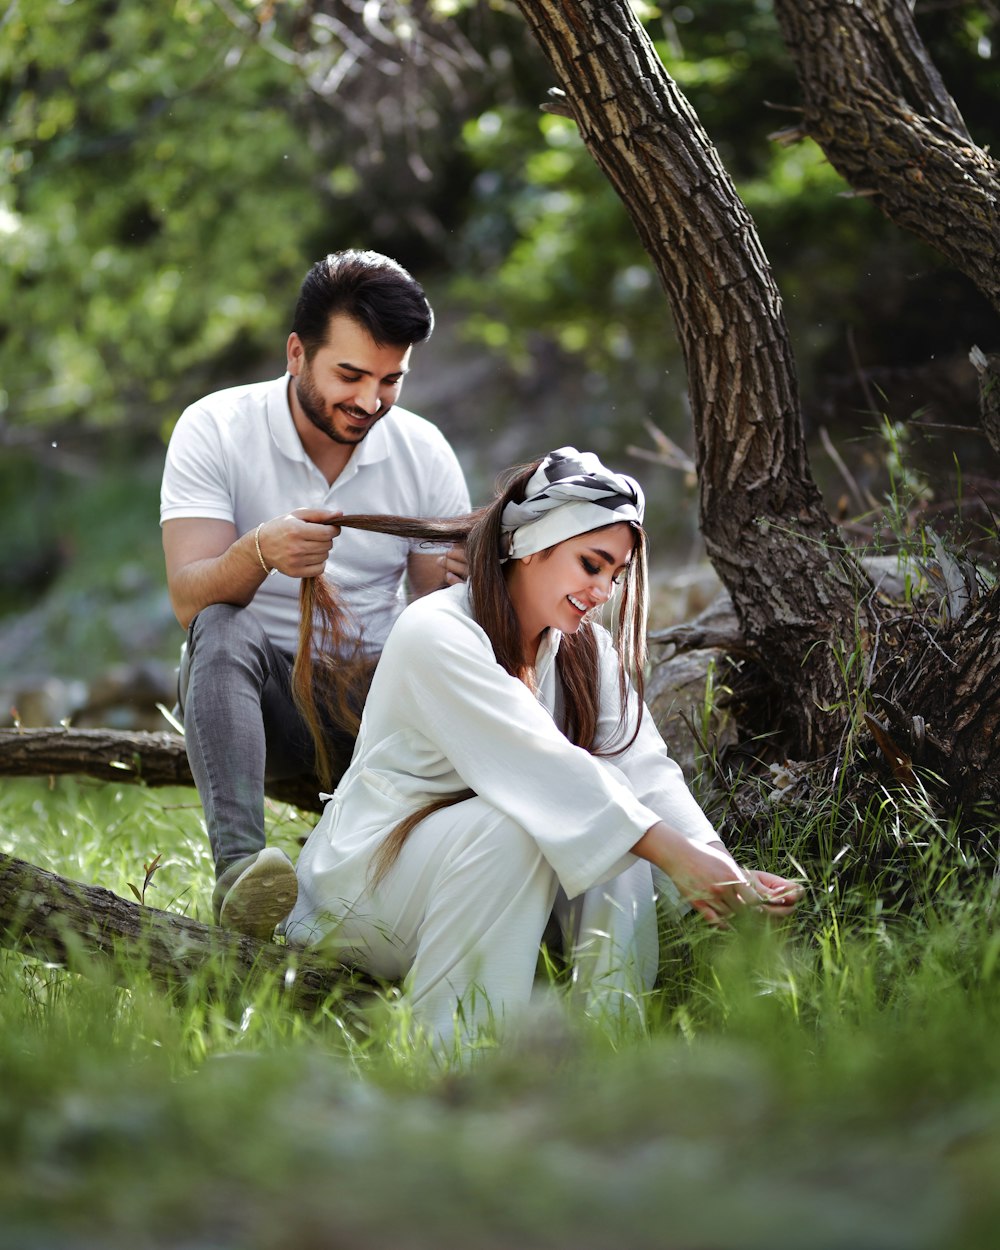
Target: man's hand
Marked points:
298	543
426	572
208	562
456	565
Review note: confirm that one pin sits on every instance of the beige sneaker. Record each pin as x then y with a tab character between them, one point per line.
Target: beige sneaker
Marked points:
256	892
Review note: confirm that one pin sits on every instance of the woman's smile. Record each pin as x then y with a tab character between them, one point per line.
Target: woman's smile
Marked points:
539	584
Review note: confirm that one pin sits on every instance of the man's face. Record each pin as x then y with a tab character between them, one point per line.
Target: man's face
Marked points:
350	383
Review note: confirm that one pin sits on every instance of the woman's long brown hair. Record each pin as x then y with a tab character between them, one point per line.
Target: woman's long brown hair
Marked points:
329	674
332	672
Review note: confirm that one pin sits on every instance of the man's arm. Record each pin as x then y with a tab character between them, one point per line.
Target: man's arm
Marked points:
208	562
426	572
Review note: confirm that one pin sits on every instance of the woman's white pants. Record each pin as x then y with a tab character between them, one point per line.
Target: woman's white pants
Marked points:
461	913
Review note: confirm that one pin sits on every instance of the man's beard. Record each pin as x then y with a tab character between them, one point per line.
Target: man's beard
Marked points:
312	405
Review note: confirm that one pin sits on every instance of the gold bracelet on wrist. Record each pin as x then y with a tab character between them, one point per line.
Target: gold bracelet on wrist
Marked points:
260	557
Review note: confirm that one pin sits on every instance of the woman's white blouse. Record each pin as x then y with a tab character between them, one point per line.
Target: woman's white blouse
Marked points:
443	716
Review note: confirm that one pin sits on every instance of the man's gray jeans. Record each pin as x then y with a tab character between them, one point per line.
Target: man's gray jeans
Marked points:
241	725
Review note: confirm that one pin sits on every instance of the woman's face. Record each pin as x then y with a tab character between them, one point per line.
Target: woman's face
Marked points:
557	587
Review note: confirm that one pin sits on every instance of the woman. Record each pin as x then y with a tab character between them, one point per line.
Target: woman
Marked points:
505	766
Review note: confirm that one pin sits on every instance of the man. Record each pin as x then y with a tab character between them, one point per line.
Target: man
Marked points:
255	478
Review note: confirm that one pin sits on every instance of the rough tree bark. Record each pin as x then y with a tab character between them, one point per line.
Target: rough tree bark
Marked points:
86	926
766	529
877	106
941	700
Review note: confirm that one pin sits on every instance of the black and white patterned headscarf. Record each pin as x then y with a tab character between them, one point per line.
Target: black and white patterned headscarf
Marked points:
569	493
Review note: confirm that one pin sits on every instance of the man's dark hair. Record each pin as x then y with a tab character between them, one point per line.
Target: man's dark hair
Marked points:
371	289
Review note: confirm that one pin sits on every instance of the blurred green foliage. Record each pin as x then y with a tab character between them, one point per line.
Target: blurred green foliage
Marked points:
82	586
153	188
167	172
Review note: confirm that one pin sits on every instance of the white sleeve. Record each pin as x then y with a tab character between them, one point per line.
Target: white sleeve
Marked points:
657	780
449	689
444	491
195	483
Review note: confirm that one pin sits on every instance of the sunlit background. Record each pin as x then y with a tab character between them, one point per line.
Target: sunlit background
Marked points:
168	173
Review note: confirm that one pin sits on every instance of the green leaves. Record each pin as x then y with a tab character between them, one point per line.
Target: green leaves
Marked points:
150	870
150	197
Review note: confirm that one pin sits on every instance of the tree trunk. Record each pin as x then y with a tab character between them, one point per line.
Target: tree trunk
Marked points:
86	927
877	106
152	759
765	527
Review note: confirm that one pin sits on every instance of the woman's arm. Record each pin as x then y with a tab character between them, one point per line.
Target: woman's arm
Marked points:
439	683
659	783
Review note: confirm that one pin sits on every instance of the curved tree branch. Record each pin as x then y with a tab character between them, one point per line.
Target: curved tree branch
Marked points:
876	105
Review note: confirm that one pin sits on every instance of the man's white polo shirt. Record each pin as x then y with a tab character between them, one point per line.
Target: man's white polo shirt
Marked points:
236	456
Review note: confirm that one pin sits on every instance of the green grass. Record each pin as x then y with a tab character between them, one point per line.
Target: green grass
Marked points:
832	1083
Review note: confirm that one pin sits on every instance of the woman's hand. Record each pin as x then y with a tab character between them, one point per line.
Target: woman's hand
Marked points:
778	894
710	879
704	872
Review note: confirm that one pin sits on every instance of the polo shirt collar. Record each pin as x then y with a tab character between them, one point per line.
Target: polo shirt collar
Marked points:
373	448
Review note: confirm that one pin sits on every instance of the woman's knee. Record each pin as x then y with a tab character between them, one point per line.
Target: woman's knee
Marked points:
470	836
497	845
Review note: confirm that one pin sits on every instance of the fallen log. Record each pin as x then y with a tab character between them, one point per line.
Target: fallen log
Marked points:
87	928
155	759
151	759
